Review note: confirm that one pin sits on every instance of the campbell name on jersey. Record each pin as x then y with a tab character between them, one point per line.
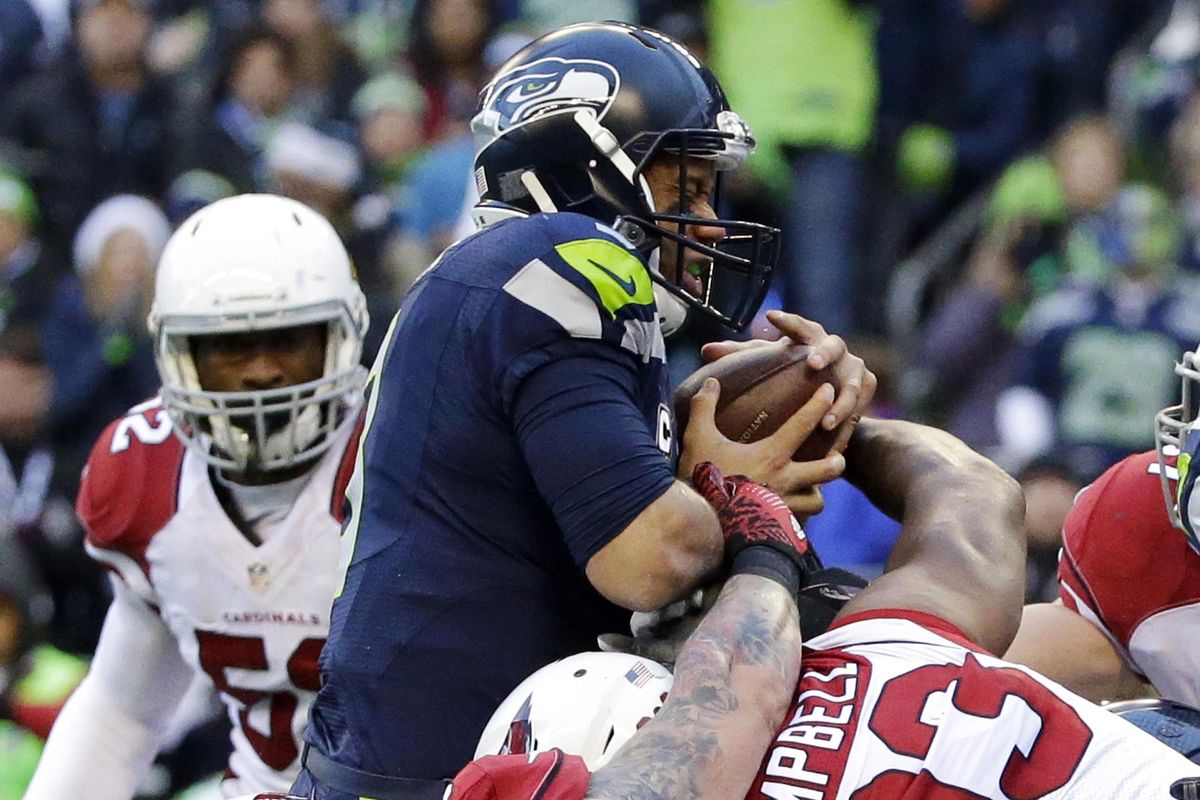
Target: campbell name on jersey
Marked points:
253	618
898	705
1129	571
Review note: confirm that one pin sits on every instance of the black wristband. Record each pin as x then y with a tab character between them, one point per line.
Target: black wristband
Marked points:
767	562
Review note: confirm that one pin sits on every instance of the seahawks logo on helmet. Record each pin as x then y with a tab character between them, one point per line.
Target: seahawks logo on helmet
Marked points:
545	86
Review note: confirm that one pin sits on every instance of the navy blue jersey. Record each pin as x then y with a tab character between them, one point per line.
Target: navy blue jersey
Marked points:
518	421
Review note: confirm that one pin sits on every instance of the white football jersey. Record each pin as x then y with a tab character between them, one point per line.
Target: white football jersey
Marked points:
252	618
899	705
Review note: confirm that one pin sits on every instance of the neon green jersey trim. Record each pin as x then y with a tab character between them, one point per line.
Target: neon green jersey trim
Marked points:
1183	463
619	277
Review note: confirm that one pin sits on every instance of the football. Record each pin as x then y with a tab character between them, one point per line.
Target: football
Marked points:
760	388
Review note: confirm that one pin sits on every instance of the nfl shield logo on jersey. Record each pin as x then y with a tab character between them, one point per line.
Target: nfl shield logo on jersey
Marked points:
260	579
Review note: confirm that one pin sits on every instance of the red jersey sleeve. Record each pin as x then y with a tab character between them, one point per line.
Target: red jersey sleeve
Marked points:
129	491
1122	559
552	775
339	505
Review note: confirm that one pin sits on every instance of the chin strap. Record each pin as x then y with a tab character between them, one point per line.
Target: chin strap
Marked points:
538	192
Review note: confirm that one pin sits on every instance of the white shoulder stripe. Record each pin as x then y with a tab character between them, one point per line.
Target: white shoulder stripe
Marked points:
644	338
540	287
129	570
1087	612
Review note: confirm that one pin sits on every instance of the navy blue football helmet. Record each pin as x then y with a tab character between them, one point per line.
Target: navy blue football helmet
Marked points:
573	121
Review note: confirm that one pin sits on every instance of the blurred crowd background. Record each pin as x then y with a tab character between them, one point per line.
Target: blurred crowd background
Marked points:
996	201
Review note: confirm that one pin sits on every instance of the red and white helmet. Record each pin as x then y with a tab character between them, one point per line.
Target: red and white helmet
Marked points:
587	705
257	262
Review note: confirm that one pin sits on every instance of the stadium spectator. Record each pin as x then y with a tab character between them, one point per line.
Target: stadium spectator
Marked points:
327	72
403	210
252	97
35	678
1095	356
1185	162
528	450
319	170
951	135
22	413
390	110
26	277
20	37
448	38
95	335
1089	157
966	352
94	124
811	128
1080	39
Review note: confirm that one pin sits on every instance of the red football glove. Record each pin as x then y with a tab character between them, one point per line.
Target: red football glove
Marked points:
753	515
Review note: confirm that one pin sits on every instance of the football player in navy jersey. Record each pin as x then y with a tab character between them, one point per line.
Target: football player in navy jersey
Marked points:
515	493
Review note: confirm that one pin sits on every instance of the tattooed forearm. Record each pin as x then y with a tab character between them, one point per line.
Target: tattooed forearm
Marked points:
733	681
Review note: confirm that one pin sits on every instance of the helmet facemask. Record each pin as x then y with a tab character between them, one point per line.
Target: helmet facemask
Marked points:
256	431
727	279
1177	442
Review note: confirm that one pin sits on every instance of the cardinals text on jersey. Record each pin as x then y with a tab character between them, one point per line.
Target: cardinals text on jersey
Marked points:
252	618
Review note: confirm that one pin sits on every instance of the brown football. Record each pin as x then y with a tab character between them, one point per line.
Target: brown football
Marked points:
760	388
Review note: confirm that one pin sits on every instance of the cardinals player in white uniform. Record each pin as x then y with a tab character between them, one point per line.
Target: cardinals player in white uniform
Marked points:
1129	574
900	699
217	506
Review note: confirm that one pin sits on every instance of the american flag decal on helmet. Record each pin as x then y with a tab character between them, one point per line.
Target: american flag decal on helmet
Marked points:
639	675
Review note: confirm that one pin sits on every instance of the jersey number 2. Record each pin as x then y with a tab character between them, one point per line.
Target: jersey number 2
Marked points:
219	652
980	692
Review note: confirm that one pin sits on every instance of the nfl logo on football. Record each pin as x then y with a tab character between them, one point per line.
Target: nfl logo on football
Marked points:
260	580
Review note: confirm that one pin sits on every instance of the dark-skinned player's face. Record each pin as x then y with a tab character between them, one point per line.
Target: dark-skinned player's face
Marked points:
259	360
699	181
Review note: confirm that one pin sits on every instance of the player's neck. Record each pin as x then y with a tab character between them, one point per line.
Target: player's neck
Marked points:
257	510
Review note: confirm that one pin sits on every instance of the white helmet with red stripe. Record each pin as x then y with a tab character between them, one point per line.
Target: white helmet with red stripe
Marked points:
587	705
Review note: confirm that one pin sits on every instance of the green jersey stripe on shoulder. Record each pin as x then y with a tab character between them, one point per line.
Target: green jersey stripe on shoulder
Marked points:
538	286
619	277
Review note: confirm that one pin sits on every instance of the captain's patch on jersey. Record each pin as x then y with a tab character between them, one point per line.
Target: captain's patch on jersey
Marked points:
619	277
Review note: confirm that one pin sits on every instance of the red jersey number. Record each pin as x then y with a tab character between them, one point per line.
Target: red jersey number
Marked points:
980	692
218	652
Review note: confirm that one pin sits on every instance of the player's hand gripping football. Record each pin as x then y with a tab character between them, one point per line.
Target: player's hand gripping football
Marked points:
858	383
768	460
751	515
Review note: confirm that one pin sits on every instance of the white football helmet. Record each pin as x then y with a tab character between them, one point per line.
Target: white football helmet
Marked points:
257	262
587	705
